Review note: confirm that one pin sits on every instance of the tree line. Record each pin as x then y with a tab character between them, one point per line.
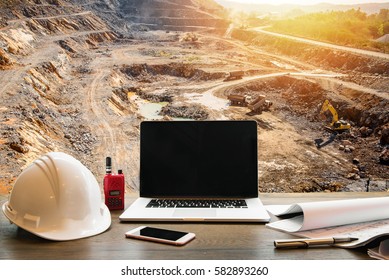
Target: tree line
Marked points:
352	27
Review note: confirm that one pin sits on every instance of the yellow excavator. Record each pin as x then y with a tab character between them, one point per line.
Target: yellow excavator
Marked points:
336	125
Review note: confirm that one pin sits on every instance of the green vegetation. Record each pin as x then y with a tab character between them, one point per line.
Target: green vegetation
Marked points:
352	28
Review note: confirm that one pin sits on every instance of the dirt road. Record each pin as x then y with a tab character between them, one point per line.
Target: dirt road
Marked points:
323	44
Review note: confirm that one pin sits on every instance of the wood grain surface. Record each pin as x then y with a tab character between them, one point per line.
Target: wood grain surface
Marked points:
214	241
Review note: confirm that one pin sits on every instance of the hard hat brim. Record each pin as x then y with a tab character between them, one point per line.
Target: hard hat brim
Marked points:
73	230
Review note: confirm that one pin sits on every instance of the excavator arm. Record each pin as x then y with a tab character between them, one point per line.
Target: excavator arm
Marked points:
336	124
328	107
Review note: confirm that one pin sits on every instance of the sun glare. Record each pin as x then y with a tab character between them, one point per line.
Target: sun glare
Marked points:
306	2
275	2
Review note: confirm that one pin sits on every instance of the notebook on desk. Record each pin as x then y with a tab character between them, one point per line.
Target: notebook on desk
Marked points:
198	171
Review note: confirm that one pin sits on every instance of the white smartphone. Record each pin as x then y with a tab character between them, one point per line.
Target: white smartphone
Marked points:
161	235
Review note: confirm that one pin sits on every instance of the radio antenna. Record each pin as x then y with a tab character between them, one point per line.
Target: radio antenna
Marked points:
108	165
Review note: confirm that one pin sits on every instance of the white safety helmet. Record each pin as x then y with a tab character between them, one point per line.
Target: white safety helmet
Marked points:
57	198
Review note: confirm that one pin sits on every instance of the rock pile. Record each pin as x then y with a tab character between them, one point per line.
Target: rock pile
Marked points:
384	139
384	157
149	73
195	112
160	97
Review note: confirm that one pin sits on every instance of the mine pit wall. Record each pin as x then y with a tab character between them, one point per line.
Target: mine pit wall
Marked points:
172	16
46	118
16	42
167	7
41	114
88	22
179	24
155	27
77	44
43	10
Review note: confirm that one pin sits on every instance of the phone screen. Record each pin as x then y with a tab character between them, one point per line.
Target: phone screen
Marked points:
162	233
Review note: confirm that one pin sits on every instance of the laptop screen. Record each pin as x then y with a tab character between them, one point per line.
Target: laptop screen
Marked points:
214	159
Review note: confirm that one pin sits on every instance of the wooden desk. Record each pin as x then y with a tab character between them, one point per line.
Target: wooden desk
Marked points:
215	241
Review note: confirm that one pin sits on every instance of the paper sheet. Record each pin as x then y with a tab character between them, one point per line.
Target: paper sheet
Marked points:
365	219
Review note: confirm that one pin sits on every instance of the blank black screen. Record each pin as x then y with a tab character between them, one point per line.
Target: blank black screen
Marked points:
199	159
162	233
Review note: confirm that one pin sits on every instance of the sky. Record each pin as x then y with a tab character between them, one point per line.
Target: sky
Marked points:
308	2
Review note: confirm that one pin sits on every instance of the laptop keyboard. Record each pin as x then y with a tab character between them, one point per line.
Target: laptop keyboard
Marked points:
177	203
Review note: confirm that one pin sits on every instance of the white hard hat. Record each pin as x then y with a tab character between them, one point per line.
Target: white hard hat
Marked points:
57	198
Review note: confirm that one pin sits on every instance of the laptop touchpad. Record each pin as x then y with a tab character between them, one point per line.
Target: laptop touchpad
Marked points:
195	213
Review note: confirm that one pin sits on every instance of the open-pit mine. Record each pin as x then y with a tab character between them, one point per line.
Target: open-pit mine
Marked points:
80	76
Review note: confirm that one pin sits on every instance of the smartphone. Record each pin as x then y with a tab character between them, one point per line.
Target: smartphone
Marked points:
166	236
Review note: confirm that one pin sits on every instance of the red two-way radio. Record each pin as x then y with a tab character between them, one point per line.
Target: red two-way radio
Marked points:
113	187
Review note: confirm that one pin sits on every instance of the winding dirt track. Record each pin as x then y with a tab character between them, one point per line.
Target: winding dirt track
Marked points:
103	128
108	128
326	45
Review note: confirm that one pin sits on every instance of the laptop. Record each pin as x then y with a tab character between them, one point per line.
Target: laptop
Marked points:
198	171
